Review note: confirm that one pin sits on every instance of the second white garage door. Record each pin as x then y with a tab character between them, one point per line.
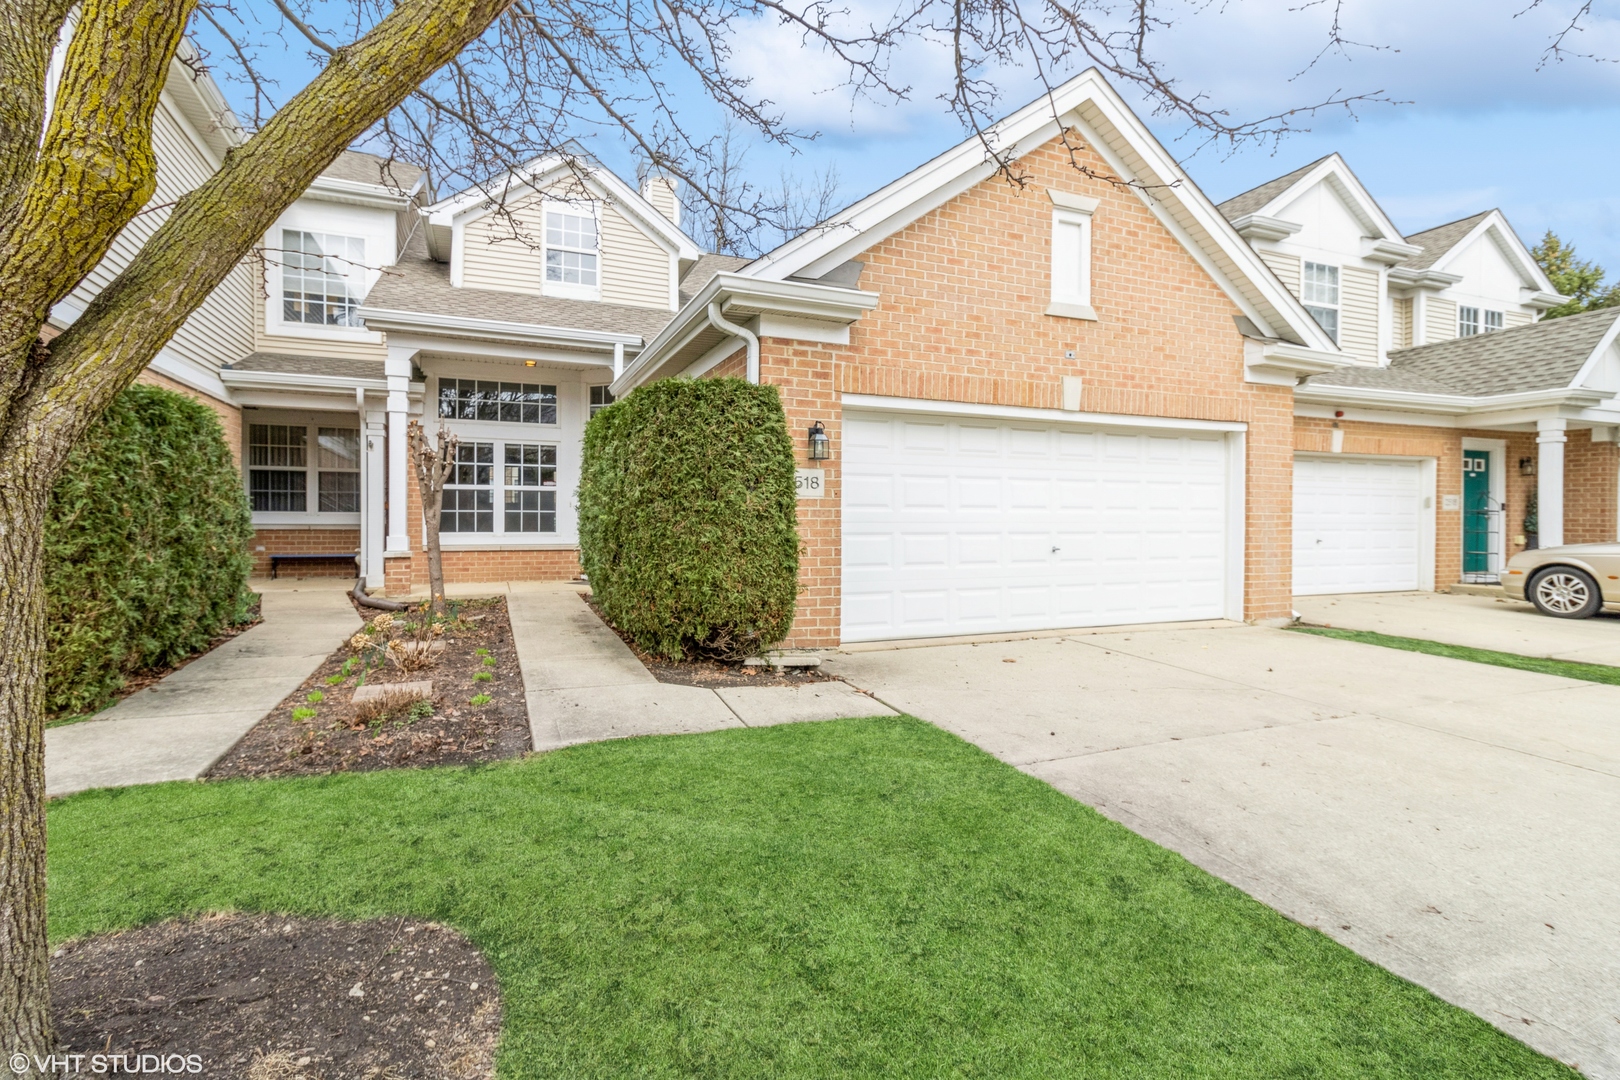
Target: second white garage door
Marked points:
958	526
1358	525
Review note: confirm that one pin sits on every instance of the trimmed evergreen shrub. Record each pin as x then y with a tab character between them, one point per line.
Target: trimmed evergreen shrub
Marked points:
688	523
145	546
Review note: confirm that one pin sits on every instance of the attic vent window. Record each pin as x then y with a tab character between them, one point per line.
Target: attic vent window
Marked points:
571	249
1319	289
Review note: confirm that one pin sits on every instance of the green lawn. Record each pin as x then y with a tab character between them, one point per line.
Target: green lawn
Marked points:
1569	669
862	898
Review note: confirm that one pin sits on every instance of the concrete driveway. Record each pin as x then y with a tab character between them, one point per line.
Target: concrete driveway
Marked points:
1453	822
1482	622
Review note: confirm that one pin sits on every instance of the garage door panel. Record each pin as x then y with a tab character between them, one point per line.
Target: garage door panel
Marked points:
1040	527
1358	525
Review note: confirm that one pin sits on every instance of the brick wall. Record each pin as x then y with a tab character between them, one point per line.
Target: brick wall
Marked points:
964	290
230	416
1591	486
285	540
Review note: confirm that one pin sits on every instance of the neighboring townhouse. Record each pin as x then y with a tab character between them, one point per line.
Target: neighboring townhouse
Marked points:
1417	467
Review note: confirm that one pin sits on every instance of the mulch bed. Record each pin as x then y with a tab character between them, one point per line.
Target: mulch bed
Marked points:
712	673
140	680
268	997
341	737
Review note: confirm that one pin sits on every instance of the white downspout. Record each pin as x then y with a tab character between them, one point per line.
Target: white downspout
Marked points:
719	322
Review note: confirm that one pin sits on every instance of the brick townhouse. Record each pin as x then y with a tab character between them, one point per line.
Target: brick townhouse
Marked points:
1083	396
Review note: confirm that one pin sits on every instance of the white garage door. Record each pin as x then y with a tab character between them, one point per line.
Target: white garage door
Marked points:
958	526
1357	525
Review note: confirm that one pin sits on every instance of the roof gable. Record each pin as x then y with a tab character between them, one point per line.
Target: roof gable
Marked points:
1087	105
1443	244
539	176
1273	198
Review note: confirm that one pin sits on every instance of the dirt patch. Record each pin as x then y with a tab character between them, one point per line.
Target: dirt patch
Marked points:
136	681
476	713
713	673
267	997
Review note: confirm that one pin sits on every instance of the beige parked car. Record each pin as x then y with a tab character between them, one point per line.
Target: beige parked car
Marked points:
1569	582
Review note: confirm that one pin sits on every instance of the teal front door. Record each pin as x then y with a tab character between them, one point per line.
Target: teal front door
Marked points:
1477	516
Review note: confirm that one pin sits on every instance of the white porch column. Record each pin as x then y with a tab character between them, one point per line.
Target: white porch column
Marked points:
398	369
1550	439
373	486
618	359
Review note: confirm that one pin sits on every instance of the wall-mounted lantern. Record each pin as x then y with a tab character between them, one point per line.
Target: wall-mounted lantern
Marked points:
820	445
1527	466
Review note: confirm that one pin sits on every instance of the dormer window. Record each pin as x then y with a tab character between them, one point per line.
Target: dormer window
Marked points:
572	251
1319	289
1471	321
318	276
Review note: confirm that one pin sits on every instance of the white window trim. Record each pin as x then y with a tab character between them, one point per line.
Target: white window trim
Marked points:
1336	308
312	422
561	289
274	314
1070	211
485	430
468	432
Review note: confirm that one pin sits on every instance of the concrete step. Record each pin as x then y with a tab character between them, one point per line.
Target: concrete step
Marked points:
1474	588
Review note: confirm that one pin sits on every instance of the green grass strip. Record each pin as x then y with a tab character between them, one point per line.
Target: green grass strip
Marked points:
858	898
1569	669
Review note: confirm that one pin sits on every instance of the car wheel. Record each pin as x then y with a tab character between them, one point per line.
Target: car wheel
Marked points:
1565	593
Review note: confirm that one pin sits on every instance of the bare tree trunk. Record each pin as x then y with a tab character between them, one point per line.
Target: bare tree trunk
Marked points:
25	1022
433	465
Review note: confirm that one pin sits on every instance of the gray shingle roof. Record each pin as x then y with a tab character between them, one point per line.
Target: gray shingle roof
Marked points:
1545	355
364	168
287	363
705	268
1439	240
1253	199
417	283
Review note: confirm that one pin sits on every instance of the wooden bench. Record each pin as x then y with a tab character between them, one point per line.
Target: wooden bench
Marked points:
277	560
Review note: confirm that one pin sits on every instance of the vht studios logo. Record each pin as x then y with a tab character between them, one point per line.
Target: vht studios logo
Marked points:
107	1064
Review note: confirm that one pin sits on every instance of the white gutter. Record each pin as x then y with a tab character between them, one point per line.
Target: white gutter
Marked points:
719	322
492	329
248	379
1452	404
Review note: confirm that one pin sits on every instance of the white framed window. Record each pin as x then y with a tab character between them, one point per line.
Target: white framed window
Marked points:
502	402
601	398
1319	290
1071	263
289	462
525	486
572	252
320	276
1492	321
1467	321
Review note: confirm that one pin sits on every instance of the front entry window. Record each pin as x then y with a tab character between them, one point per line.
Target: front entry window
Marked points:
469	493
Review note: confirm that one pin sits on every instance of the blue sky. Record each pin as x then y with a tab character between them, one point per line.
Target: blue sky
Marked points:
1483	121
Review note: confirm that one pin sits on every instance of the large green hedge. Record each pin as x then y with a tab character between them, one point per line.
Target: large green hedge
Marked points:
146	546
687	517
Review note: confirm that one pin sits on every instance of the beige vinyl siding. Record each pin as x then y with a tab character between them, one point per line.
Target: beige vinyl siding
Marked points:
1511	319
635	267
1401	310
323	346
502	251
1439	320
221	329
1286	267
1358	313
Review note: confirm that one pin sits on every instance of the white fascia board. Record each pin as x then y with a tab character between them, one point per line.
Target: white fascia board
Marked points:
537	175
744	295
1019	412
1260	227
1282	363
331	189
198	98
1604	345
289	380
1539	300
1407	278
1447	404
1389	252
450	326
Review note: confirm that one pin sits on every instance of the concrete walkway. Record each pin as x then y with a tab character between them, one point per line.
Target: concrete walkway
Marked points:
584	684
1481	622
1451	821
177	728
